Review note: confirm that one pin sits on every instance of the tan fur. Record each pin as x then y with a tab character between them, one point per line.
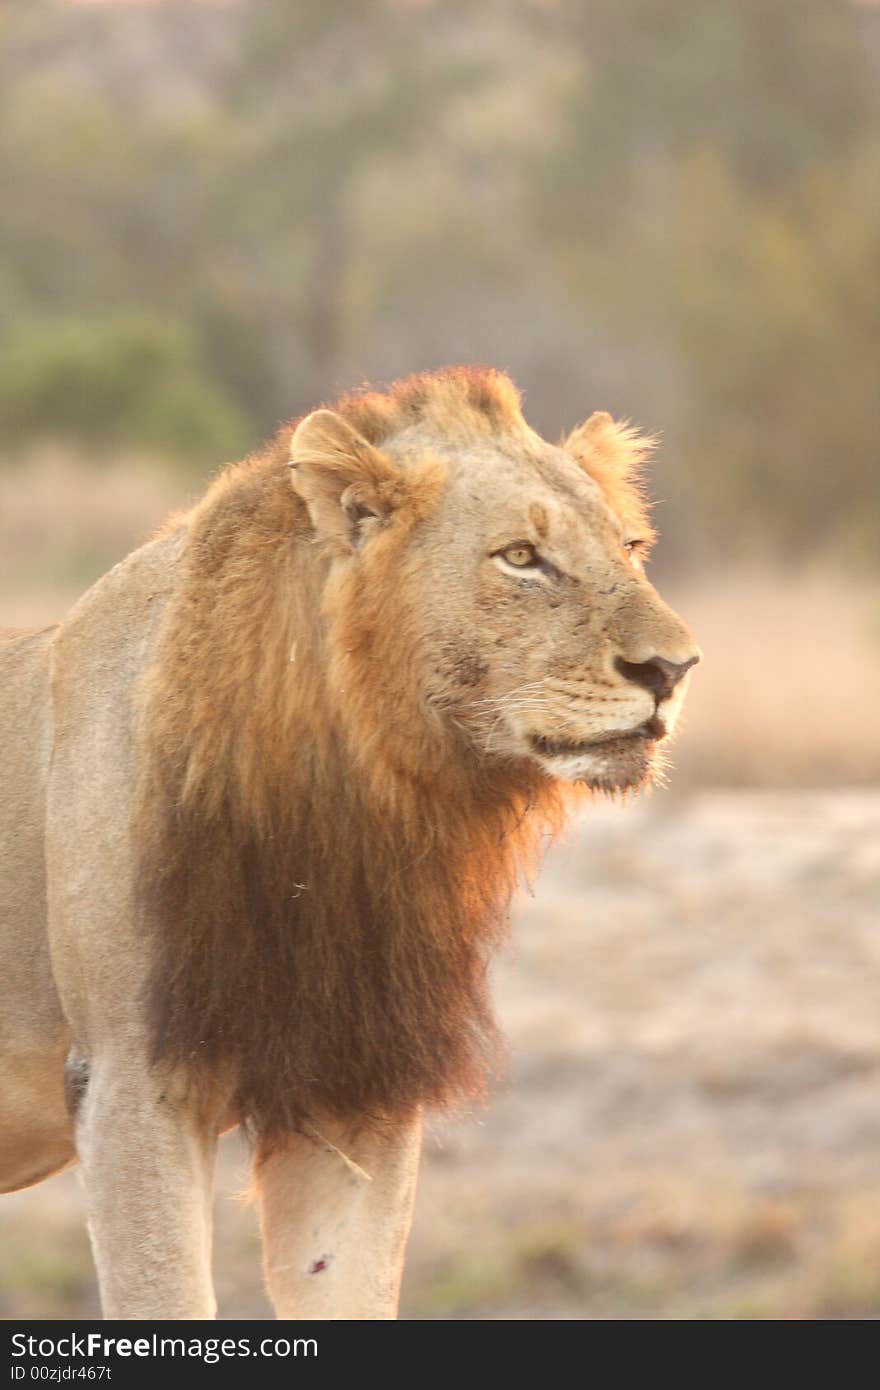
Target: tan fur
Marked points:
302	745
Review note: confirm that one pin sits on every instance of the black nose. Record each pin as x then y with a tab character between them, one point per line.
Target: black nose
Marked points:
657	675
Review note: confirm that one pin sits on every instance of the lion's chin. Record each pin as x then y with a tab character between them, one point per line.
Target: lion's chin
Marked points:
615	765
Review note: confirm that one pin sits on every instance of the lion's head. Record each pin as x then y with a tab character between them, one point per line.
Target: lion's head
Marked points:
514	616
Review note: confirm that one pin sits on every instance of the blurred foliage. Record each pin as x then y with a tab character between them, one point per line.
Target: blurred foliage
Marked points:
668	210
119	381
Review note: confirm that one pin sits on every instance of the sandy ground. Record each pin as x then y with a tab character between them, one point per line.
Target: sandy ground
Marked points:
690	1124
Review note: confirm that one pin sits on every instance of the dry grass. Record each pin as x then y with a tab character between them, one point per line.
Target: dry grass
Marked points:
62	524
789	681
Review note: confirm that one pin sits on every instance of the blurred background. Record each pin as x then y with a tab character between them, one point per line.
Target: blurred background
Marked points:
216	215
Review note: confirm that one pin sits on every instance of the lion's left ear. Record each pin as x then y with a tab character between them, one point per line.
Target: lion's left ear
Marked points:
348	486
608	446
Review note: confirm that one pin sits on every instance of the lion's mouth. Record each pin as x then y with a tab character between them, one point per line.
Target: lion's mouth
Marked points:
650	732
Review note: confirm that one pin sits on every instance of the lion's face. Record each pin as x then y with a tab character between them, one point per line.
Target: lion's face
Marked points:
545	640
531	630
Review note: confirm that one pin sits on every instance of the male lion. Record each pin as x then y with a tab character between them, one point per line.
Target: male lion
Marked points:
266	791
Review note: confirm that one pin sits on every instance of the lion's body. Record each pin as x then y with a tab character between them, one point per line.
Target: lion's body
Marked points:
36	1128
65	703
259	835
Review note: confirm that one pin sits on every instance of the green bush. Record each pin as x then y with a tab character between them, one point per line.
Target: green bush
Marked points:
131	380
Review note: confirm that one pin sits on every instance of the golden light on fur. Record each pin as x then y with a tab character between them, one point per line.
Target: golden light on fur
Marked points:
325	865
615	454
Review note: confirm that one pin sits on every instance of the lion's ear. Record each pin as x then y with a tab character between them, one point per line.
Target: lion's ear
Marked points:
590	434
348	486
603	444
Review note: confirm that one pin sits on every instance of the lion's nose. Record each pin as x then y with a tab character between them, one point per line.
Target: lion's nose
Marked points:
657	675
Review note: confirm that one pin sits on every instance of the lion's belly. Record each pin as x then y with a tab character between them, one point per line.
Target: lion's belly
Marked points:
36	1133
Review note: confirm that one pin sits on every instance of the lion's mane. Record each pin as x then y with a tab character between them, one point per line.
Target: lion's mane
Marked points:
322	892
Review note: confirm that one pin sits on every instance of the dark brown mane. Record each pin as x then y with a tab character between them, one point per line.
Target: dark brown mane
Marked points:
322	915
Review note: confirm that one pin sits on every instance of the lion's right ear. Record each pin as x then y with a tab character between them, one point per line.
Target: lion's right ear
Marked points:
348	486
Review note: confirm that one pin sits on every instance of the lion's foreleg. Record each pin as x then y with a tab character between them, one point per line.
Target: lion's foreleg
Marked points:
335	1212
147	1164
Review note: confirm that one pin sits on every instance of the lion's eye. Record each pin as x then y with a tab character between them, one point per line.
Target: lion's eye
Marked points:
636	549
521	555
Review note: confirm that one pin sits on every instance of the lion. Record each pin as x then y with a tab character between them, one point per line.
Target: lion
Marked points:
268	789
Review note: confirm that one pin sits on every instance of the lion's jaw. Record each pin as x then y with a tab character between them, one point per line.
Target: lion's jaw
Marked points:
613	763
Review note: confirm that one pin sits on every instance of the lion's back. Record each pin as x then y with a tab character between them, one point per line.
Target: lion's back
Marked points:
25	747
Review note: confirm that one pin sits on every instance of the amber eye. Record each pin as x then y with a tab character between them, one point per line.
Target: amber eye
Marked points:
521	555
